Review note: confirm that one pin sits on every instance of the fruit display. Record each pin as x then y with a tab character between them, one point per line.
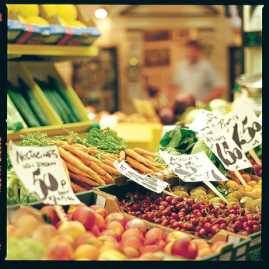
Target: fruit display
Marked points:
49	20
92	233
248	196
200	218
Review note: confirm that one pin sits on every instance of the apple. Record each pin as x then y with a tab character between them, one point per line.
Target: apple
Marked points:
50	215
72	228
154	235
137	223
86	252
185	248
111	255
44	233
100	221
60	251
86	238
115	228
132	232
99	210
85	216
176	235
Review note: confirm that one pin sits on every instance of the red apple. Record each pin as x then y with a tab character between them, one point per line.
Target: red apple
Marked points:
102	211
60	251
84	215
117	217
86	238
185	248
50	214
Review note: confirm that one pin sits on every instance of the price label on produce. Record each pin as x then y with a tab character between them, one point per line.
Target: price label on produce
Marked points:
218	136
192	167
42	172
152	183
246	129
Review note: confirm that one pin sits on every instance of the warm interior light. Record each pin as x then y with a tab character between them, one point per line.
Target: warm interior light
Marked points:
100	13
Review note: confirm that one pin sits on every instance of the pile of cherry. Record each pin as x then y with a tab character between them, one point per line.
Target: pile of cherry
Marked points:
184	214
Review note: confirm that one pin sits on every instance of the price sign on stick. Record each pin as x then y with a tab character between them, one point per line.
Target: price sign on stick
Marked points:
42	172
192	167
246	129
152	183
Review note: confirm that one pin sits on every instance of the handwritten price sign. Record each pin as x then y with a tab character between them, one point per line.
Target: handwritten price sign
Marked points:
151	183
218	135
192	167
42	172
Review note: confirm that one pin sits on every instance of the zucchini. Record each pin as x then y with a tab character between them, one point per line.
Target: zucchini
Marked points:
33	104
62	92
22	106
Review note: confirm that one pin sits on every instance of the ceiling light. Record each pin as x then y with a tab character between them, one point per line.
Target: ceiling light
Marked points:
100	13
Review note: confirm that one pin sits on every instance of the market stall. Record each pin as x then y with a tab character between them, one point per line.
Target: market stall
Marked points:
94	185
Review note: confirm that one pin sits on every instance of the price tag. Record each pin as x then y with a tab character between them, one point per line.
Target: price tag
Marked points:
100	201
152	183
192	167
217	135
246	129
42	172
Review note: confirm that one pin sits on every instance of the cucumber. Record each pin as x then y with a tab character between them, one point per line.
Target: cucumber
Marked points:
51	98
63	106
14	120
22	106
56	85
33	104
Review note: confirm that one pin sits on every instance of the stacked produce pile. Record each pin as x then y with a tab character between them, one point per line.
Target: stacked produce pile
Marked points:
187	214
92	233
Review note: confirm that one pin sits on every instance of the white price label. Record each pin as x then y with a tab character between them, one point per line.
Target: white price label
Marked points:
152	183
42	172
192	167
217	135
246	129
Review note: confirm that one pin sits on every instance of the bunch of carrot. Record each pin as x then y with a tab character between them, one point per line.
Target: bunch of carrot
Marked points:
143	161
85	169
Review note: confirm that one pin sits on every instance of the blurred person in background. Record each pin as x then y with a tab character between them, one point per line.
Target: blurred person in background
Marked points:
195	76
194	79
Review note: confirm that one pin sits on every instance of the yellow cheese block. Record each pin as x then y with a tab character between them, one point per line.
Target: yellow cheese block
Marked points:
146	136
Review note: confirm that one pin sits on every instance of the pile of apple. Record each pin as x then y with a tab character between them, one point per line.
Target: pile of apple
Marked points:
185	214
90	233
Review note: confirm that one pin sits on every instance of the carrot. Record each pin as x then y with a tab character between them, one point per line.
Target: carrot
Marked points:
75	170
88	160
122	155
140	159
84	179
69	157
77	188
138	166
145	152
110	169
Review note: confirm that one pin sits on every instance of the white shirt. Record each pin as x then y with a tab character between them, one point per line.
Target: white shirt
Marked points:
198	79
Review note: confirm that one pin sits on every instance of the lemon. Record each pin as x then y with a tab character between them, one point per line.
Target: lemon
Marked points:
27	10
67	12
72	24
50	10
35	20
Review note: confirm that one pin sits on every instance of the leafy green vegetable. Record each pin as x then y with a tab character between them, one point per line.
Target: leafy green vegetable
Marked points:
106	140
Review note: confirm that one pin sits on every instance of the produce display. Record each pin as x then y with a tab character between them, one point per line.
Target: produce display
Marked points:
92	233
185	214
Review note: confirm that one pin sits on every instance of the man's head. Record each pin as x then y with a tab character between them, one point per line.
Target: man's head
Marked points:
193	51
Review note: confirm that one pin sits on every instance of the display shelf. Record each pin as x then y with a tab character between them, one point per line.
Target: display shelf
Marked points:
52	50
52	130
